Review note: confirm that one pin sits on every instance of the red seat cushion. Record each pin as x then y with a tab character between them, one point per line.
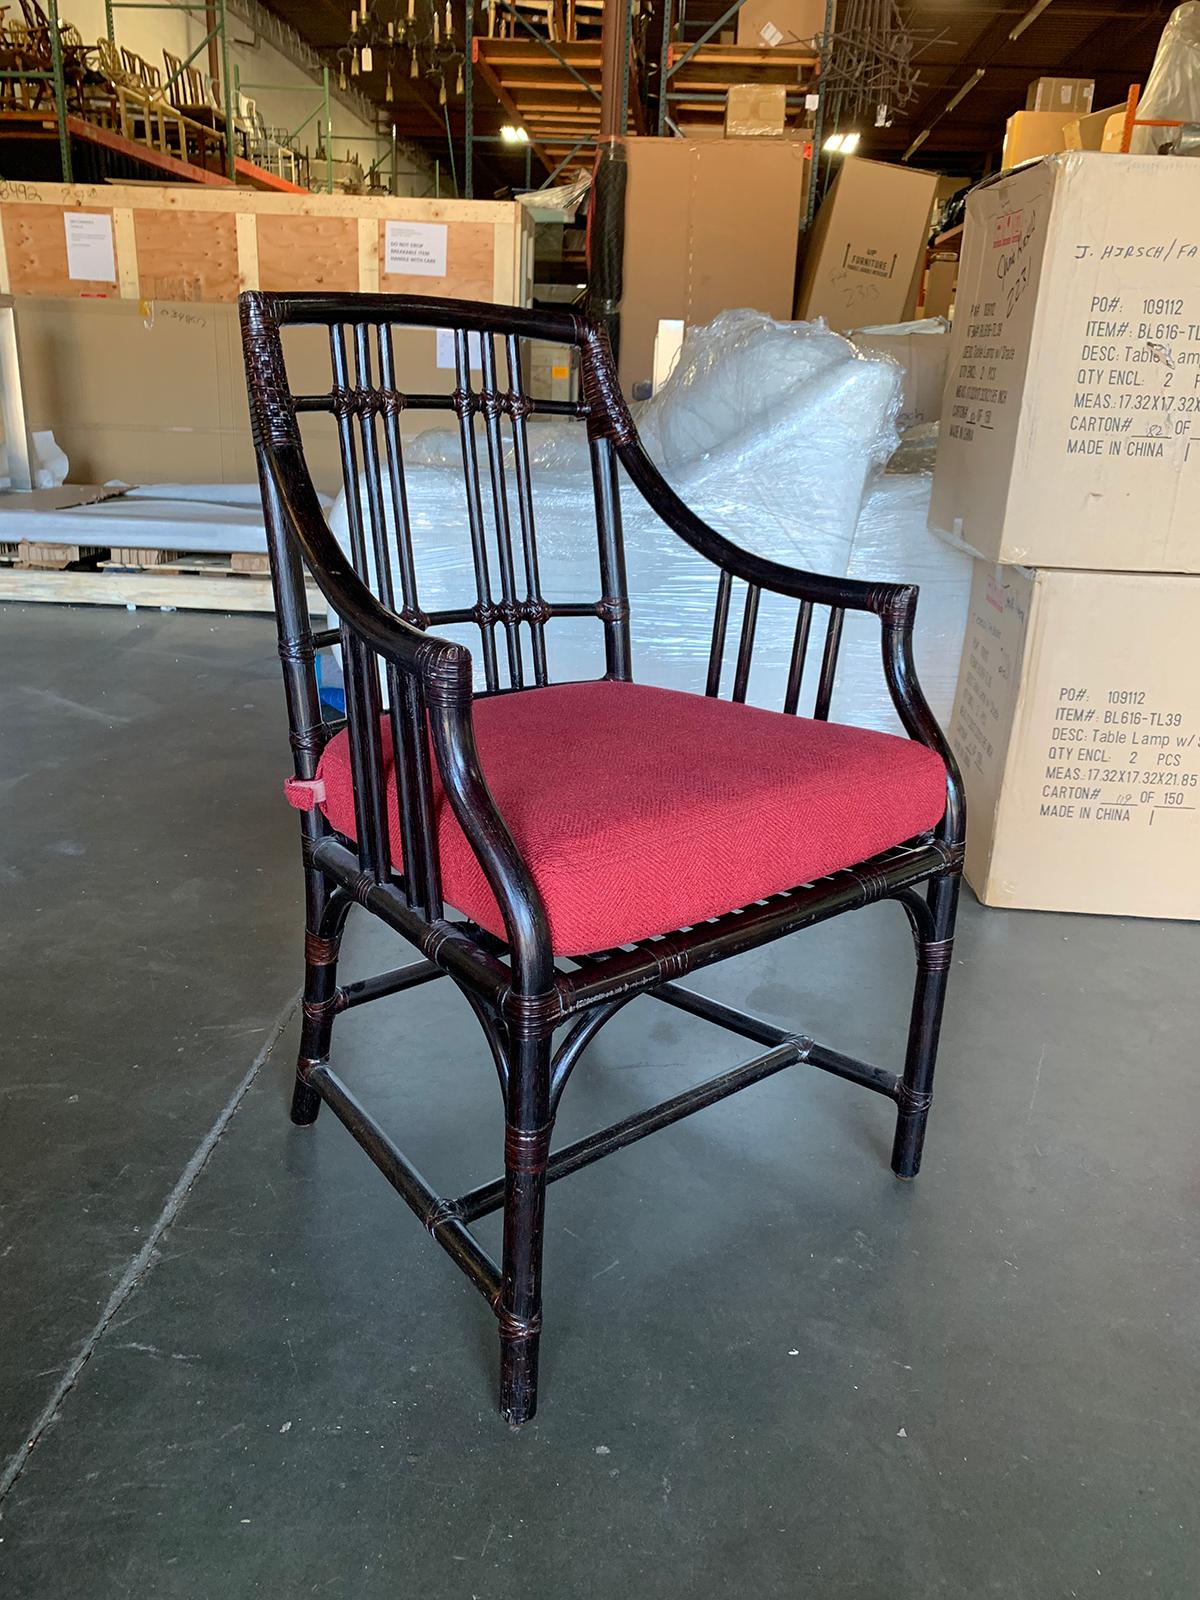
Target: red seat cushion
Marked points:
642	810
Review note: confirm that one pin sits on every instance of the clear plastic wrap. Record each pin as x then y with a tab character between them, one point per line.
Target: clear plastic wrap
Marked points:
1172	90
769	430
780	469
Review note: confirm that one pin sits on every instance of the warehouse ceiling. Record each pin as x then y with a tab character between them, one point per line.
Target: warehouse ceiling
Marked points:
1111	41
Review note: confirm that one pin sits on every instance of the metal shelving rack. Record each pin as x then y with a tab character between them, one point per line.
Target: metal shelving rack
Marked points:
218	32
561	130
57	79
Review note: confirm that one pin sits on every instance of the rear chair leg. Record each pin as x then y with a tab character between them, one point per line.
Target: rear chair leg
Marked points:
319	1007
526	1151
929	997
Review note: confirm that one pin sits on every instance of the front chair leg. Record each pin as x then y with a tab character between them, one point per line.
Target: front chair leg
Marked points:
526	1151
320	1001
929	997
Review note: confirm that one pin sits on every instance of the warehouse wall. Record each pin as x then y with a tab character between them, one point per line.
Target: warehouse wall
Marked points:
147	32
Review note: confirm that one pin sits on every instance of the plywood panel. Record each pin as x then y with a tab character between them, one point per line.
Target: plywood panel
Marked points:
297	252
186	255
35	242
186	242
470	265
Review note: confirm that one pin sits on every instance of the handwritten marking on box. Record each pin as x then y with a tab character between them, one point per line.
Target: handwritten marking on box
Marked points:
90	252
415	249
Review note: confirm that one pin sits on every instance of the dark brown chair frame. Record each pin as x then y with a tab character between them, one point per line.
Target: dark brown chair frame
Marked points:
520	993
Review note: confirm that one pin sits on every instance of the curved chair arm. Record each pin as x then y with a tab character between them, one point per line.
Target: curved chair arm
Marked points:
442	669
895	604
884	599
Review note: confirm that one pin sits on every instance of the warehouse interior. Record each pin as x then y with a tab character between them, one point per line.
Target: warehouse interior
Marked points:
578	499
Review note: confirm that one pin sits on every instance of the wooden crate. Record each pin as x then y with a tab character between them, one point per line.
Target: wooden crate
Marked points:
185	242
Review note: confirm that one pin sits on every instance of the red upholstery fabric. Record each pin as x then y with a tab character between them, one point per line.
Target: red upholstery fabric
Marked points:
641	810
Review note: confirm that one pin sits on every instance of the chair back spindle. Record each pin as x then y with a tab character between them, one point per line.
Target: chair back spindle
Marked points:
487	397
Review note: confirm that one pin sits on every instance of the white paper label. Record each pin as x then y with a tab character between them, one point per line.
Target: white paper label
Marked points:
770	35
90	253
445	349
811	102
415	249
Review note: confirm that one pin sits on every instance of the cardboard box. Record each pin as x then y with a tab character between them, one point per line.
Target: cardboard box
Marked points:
769	24
710	225
923	358
755	110
1030	134
1077	729
1061	94
1087	133
941	280
1114	132
866	252
1070	435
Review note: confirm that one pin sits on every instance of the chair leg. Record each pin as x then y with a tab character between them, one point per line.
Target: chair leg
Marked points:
933	970
327	915
526	1150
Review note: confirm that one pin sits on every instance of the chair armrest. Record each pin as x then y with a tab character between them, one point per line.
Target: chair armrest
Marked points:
437	663
895	604
442	671
884	599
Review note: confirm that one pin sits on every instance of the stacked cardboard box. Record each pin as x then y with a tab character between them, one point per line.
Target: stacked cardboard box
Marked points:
755	111
1069	462
1096	131
710	225
1061	94
865	257
768	24
1029	134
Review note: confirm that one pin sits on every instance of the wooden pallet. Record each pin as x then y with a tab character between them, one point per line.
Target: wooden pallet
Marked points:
238	564
166	580
31	553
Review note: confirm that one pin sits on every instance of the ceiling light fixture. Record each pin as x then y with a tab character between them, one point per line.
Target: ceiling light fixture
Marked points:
966	88
512	135
381	30
955	100
1030	17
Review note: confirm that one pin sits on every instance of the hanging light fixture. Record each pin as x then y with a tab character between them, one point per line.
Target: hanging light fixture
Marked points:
380	28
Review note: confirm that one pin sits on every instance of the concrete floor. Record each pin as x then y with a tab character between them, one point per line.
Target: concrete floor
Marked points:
768	1367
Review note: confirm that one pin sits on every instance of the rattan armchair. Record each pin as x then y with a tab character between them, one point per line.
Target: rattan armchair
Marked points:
599	841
